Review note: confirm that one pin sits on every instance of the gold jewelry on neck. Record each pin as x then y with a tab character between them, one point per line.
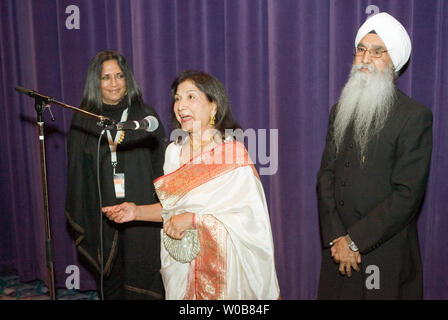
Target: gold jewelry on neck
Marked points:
197	146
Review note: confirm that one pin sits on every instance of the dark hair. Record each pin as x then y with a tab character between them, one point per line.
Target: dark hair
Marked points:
91	97
214	91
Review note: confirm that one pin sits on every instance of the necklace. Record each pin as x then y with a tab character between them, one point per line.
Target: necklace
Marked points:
197	146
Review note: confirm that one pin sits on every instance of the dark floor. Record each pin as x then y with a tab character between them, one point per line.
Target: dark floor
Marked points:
11	288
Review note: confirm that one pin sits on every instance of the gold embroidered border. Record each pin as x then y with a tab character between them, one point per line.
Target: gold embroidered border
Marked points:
85	253
144	291
199	170
207	273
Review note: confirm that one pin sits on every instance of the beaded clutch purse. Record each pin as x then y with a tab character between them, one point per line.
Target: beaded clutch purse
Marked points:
183	250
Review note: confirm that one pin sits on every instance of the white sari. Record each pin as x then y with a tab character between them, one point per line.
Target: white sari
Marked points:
236	260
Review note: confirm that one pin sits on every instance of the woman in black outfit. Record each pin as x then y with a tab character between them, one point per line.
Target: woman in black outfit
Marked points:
131	252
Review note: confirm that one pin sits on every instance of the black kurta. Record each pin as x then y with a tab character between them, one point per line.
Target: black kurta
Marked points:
377	205
140	157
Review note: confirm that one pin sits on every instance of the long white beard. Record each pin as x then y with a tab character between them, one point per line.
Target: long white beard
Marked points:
365	102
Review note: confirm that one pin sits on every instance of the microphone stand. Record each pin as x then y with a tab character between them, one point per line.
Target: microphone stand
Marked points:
40	103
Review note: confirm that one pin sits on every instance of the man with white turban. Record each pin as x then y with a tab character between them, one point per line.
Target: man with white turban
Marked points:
373	174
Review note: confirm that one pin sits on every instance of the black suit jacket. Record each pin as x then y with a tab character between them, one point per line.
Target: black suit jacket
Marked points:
377	203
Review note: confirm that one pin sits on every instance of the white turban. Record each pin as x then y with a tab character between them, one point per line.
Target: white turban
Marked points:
392	33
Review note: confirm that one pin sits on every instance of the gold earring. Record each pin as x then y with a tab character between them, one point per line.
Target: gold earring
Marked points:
212	120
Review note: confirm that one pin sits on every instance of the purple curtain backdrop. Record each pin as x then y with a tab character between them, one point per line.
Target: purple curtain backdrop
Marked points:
283	63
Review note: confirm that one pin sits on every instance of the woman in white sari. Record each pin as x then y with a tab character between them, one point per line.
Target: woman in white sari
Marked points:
211	197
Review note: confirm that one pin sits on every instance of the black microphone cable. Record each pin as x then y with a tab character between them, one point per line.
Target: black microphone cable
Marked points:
101	213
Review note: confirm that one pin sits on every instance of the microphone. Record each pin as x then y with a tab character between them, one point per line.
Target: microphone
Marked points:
149	124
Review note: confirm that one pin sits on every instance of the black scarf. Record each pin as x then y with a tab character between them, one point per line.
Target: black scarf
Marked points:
140	156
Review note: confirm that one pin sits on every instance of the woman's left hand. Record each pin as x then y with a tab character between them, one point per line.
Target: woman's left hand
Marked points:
176	225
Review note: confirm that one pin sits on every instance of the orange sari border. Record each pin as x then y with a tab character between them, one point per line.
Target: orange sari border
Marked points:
207	274
201	169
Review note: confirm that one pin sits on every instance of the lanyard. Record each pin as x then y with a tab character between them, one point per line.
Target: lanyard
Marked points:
113	143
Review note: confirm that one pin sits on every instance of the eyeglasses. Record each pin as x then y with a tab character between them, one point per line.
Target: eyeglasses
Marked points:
375	52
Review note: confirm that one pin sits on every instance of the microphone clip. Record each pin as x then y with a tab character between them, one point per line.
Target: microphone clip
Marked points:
106	123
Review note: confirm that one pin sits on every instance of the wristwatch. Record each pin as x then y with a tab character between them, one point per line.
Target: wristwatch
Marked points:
351	244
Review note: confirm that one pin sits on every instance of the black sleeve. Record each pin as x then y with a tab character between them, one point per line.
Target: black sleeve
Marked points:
409	177
330	222
75	143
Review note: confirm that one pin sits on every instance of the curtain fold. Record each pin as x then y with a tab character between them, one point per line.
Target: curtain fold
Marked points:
283	63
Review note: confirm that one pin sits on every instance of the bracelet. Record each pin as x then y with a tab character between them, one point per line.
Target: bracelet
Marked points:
351	243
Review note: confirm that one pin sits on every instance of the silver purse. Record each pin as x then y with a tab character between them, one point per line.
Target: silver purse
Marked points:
183	250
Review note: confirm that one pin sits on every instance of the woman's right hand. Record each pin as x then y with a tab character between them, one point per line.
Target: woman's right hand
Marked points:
121	213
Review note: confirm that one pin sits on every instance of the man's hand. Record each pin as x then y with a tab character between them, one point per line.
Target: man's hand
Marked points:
346	258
